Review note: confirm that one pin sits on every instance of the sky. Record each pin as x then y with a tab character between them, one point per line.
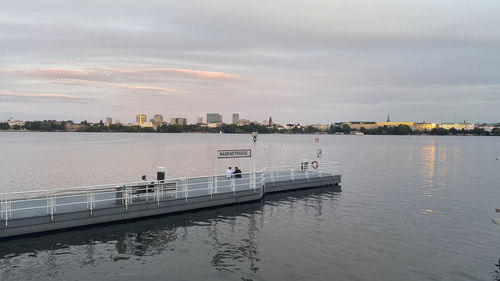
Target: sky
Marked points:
297	61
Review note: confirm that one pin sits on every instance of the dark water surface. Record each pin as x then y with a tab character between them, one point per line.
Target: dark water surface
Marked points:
414	208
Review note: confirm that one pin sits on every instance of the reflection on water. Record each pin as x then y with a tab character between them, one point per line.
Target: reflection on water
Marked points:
429	158
496	273
439	162
230	248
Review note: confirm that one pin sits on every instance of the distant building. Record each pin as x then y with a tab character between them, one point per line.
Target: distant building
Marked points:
109	121
214	118
321	127
457	126
394	124
117	122
357	125
242	122
236	118
13	122
291	126
265	122
140	119
147	125
199	120
424	127
178	121
213	125
158	118
270	121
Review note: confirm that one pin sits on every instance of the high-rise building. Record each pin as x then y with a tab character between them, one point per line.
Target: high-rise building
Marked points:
178	121
199	120
214	118
140	119
109	121
236	118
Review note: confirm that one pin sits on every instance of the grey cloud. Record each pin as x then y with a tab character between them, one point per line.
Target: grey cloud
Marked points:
388	55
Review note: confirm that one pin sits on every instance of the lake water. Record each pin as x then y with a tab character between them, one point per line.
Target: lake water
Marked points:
411	208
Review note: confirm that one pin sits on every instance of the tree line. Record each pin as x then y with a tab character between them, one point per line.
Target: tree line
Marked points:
84	126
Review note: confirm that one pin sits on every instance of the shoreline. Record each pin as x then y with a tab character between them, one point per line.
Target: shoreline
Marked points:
231	133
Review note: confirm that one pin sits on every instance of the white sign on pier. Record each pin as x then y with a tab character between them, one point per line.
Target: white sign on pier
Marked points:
234	153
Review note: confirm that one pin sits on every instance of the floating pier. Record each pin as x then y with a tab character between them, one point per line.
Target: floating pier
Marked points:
38	211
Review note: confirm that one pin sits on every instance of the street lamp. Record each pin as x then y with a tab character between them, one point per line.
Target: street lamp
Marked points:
255	133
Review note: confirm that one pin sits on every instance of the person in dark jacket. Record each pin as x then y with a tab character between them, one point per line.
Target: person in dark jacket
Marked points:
237	173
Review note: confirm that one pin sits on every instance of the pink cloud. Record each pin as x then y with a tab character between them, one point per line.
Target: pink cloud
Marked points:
145	88
99	74
189	72
42	96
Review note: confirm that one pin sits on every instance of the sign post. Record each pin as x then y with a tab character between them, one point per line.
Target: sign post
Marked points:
231	153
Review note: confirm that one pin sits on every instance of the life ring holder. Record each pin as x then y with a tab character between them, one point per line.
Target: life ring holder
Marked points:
314	164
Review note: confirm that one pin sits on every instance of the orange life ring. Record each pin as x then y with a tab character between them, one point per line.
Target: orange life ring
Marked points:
314	164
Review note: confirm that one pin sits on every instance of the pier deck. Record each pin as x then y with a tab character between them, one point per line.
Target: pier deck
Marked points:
39	211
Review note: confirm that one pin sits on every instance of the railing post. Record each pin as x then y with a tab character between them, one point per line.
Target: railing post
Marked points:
91	201
185	189
233	185
51	206
6	210
158	193
210	186
128	197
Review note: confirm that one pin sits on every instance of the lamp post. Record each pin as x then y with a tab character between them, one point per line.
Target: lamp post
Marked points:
255	133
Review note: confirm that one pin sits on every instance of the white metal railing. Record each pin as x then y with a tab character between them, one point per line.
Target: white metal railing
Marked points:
32	203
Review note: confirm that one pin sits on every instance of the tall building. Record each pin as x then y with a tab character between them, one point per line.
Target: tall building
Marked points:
199	120
140	119
109	121
270	121
236	118
178	121
214	118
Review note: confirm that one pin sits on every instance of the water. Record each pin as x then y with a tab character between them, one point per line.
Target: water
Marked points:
414	208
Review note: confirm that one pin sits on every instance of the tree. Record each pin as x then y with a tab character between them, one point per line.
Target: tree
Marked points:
495	132
439	131
453	131
346	129
4	126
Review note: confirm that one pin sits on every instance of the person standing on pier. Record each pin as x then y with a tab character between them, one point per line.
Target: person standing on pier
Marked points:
237	173
229	173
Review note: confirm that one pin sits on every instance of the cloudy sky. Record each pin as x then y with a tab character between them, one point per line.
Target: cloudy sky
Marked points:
297	61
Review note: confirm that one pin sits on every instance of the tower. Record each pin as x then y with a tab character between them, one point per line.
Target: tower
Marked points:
388	118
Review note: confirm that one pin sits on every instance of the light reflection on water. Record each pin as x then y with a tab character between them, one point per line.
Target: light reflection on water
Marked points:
414	208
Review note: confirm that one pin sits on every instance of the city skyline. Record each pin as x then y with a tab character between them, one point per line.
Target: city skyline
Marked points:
297	61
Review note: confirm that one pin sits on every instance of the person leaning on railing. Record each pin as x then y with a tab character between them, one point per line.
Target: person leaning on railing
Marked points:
237	173
145	185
